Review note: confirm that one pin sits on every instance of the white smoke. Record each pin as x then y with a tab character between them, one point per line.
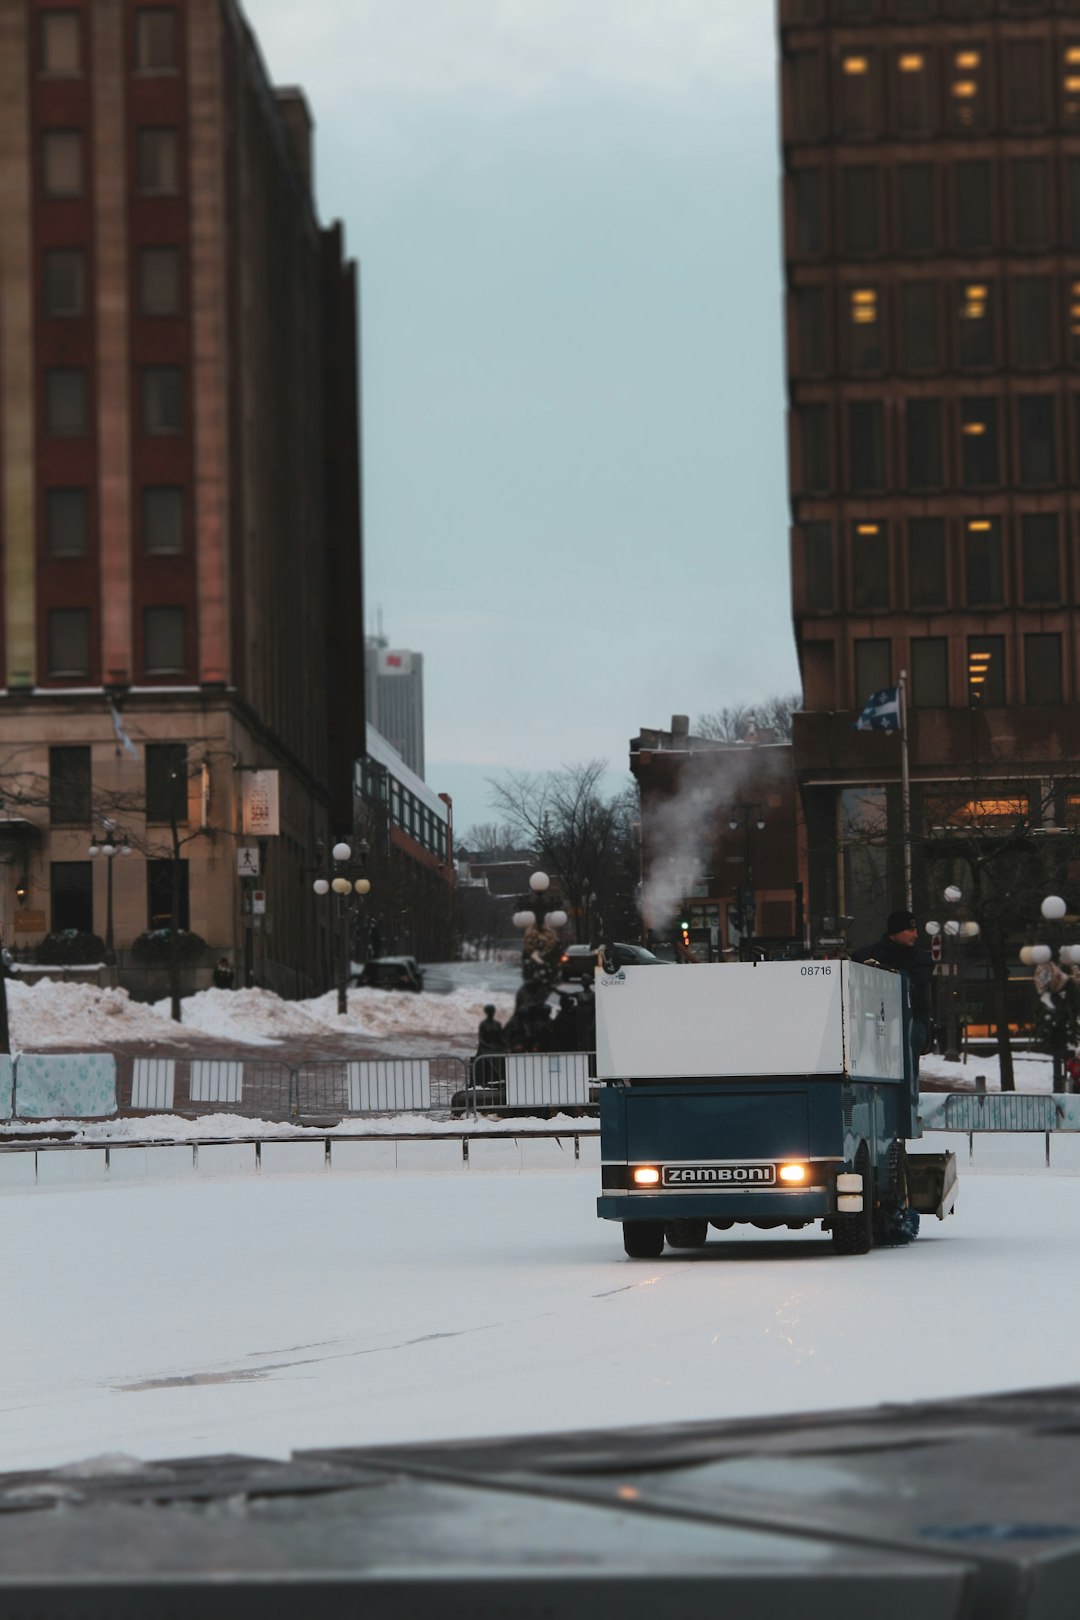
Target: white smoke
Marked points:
683	833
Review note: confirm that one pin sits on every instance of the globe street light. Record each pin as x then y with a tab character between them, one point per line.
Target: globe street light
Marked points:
536	921
952	932
344	884
1052	984
110	844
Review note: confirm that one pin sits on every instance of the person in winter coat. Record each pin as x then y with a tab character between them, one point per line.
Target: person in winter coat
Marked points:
223	974
899	948
490	1046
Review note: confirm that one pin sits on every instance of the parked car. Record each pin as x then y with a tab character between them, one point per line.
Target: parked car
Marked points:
390	973
579	961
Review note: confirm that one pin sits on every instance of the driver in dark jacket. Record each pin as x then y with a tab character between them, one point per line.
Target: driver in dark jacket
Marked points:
899	948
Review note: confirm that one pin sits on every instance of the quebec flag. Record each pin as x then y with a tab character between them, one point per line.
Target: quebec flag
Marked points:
881	711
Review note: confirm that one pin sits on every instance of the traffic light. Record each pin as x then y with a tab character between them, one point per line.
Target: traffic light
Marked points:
684	935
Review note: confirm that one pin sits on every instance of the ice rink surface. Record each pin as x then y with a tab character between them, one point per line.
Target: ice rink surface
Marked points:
265	1314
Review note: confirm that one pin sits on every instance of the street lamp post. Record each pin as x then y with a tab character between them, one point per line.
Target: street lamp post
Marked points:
344	884
953	932
743	815
535	920
1055	981
110	844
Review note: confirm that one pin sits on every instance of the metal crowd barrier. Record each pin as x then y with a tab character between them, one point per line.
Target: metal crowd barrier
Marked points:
1009	1112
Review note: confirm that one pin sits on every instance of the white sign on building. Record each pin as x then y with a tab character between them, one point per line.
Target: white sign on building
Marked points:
247	860
260	804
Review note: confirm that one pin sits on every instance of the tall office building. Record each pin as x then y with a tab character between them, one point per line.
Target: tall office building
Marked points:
394	694
932	258
179	467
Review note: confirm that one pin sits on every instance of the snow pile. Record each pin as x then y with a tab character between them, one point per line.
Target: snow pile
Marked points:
50	1014
159	1128
1032	1071
260	1017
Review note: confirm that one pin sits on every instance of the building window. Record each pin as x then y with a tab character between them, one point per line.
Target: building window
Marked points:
62	162
869	567
69	643
66	523
979	454
811	330
1073	321
166	782
69	787
159	280
1026	68
159	895
982	562
1042	669
968	100
65	403
814	446
929	672
71	886
919	302
65	281
162	521
873	668
162	400
1038	442
864	352
866	444
158	160
860	209
1070	85
155	39
61	43
805	78
1030	203
818	565
973	206
1040	565
986	672
807	206
922	424
914	94
918	226
164	641
860	93
926	562
975	319
1031	305
1072	202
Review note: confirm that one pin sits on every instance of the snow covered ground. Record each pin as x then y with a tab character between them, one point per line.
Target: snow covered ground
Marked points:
313	1310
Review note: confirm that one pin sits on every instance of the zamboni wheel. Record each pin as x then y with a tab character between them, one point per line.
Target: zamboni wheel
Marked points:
854	1234
643	1240
686	1234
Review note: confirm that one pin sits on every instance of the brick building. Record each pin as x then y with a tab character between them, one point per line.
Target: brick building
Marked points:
179	467
932	257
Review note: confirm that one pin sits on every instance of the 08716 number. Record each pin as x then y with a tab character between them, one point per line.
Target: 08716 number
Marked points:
817	967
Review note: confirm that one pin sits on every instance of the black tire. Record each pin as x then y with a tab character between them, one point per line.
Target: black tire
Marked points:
689	1233
854	1234
643	1240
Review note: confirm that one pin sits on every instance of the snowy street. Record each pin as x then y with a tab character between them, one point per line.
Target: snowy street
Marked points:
265	1314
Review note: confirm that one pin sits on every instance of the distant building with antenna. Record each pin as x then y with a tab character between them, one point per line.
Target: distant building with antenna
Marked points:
394	697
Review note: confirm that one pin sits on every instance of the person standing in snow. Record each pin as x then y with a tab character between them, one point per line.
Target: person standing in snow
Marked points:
898	948
223	977
490	1046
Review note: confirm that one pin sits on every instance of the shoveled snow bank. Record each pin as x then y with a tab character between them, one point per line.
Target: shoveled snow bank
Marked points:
1032	1071
49	1014
172	1128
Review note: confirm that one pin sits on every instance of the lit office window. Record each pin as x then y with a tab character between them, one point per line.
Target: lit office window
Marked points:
975	324
870	567
864	346
986	671
979	448
967	88
914	92
982	562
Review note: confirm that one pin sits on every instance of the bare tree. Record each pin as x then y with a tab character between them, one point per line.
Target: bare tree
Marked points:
741	722
589	843
488	837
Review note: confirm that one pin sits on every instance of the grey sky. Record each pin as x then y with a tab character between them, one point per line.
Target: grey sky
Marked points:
566	214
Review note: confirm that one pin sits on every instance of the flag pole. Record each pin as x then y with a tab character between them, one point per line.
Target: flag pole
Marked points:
905	787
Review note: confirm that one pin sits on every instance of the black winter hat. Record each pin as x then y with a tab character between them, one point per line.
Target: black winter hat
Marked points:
898	921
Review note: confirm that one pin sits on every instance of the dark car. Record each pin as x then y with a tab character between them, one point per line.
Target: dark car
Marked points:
579	961
390	973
